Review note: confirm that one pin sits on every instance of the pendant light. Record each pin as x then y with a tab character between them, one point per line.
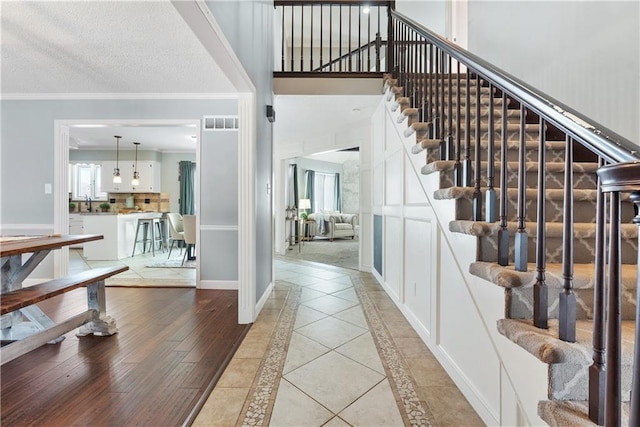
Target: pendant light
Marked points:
117	179
136	175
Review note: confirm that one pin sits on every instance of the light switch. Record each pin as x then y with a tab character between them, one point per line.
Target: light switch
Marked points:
48	189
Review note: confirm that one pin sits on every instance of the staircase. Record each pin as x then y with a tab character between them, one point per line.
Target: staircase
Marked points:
568	363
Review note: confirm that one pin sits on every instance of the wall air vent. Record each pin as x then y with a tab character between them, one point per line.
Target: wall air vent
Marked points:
220	123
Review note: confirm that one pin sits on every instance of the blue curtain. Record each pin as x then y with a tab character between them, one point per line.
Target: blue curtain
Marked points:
337	195
187	194
310	178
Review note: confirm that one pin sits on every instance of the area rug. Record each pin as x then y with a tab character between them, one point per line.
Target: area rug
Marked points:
172	263
339	252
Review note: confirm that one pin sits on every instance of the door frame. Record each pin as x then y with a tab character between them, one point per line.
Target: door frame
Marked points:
61	177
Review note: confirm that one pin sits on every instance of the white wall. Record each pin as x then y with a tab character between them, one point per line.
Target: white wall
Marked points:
430	13
426	273
584	54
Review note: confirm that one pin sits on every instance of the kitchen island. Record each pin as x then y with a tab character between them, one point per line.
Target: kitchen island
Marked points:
119	231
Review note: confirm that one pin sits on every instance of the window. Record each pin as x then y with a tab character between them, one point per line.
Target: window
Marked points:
324	195
86	181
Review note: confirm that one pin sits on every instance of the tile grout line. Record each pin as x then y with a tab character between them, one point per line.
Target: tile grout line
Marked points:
402	386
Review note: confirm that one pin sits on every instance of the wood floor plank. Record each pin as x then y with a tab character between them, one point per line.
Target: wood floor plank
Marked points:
171	343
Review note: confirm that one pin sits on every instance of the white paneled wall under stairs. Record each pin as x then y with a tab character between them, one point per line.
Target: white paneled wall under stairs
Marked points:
425	270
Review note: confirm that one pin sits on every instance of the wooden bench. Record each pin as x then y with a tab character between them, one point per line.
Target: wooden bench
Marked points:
93	321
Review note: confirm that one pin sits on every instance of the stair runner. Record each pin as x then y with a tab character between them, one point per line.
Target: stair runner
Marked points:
567	362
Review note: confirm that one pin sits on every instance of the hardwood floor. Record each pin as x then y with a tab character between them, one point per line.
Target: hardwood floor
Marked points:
171	344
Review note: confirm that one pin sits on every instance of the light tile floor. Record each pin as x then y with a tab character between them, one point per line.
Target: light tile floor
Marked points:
332	373
139	273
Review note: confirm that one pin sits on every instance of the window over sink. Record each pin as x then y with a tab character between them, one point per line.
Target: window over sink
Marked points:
85	181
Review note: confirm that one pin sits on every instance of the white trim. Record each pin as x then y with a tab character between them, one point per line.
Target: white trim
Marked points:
111	96
218	284
60	193
263	299
218	228
246	208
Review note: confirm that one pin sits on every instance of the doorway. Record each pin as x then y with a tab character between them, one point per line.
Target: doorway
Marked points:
73	133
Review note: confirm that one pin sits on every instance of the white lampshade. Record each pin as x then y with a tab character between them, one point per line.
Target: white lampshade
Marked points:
304	204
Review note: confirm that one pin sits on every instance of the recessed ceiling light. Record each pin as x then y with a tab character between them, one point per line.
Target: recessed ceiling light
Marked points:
365	9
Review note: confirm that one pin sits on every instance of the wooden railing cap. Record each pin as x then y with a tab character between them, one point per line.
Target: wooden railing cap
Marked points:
620	177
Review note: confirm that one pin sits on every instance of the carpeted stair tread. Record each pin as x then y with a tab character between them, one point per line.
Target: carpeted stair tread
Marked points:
553	229
583	275
572	413
426	144
546	347
531	193
551	167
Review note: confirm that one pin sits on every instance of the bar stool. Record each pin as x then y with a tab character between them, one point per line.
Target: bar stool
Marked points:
160	237
147	225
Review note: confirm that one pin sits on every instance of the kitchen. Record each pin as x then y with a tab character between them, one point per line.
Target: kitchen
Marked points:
146	158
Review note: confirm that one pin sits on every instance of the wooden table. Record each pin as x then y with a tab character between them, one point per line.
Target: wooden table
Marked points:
14	272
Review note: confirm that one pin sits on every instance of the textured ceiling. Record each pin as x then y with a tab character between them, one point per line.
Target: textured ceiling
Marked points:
90	47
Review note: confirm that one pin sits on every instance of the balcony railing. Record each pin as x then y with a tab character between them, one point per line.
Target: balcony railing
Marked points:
331	38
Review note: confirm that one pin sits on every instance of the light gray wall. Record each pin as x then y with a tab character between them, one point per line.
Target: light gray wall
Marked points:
27	149
248	26
431	14
584	54
100	155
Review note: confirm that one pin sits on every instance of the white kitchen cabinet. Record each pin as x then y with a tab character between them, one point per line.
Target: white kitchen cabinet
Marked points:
149	177
126	173
76	227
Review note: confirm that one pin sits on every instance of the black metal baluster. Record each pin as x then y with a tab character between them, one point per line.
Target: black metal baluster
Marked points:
359	40
302	38
521	249
614	329
282	40
350	68
449	144
466	170
321	34
436	108
369	42
490	197
430	117
477	194
597	368
340	40
457	168
311	46
540	291
503	233
441	112
567	306
379	44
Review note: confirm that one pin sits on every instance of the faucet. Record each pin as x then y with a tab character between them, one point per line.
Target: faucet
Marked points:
87	202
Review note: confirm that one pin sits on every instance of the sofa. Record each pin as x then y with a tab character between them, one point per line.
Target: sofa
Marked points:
333	224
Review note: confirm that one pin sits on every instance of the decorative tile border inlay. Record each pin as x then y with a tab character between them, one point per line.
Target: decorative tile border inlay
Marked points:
401	383
257	410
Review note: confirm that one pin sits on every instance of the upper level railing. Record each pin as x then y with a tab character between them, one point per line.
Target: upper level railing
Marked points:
331	37
445	83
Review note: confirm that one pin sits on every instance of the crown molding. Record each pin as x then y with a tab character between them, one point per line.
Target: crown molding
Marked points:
110	96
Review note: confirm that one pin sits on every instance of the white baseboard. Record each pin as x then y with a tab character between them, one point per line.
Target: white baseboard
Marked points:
263	299
219	284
